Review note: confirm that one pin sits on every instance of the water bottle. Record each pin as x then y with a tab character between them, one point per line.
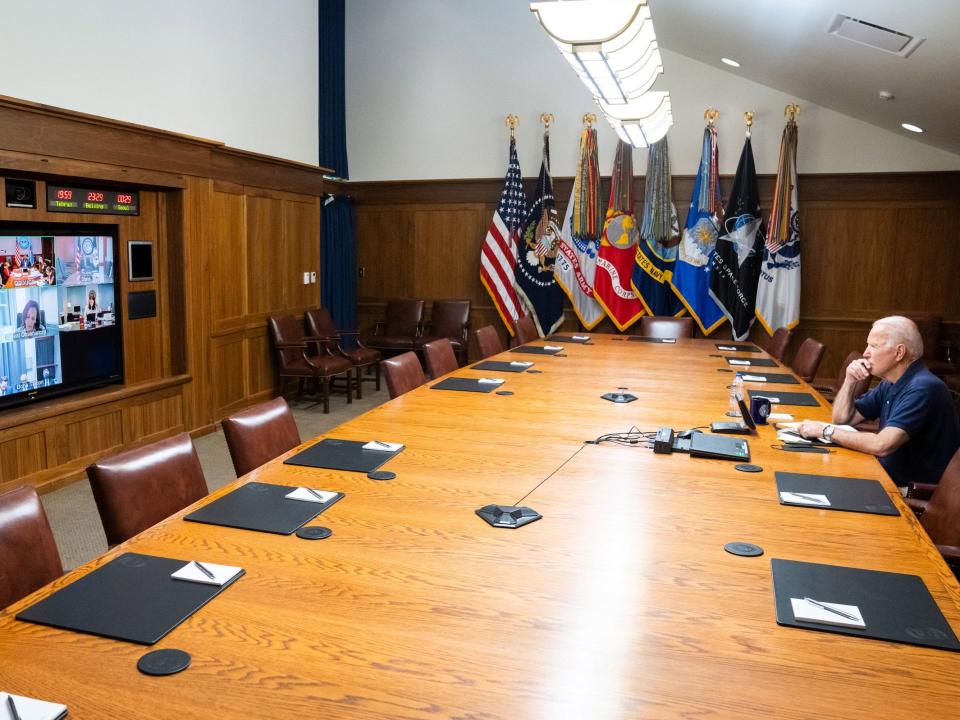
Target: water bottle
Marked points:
736	388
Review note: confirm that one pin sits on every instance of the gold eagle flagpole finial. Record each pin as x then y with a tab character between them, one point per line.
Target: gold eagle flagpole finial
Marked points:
512	122
547	120
748	120
589	119
711	115
791	111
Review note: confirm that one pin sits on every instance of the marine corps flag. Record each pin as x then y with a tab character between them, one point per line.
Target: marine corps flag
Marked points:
691	274
778	293
580	235
736	262
536	285
659	238
618	246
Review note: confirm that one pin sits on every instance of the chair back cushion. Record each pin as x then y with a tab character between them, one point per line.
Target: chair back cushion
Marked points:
439	357
285	329
488	342
403	373
807	360
526	330
777	347
658	326
403	317
259	434
449	318
28	553
138	488
941	519
319	323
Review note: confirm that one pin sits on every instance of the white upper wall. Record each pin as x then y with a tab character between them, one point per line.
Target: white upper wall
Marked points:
243	72
429	83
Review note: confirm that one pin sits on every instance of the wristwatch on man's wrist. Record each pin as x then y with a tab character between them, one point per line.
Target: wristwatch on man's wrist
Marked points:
827	433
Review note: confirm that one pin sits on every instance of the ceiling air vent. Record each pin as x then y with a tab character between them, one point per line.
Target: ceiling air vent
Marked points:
875	36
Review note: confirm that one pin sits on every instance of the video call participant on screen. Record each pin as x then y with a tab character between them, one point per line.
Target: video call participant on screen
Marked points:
4	385
6	270
919	432
30	320
92	306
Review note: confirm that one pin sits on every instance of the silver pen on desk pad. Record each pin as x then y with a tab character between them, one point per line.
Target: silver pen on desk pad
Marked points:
811	498
317	495
848	616
12	706
203	568
381	444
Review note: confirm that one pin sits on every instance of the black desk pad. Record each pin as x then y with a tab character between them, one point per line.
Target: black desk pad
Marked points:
466	385
849	494
131	598
661	341
785	398
333	454
498	366
534	350
754	362
773	378
261	507
569	338
738	348
895	607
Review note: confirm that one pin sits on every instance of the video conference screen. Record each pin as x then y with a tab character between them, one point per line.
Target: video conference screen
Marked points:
58	312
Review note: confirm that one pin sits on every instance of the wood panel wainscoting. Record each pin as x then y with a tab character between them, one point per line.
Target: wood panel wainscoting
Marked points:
233	232
873	244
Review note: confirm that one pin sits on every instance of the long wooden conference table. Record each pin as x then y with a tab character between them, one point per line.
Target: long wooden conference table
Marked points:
620	603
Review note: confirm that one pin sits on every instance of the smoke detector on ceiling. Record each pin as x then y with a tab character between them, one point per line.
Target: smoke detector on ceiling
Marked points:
875	36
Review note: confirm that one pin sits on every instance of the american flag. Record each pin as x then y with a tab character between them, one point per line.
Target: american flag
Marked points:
17	257
78	258
498	256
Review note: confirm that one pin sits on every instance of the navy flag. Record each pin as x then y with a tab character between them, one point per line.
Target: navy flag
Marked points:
535	282
736	262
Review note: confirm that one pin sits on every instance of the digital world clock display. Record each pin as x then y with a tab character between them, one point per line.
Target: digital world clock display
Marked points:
89	200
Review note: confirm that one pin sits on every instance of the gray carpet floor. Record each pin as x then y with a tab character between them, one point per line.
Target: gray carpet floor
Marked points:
73	513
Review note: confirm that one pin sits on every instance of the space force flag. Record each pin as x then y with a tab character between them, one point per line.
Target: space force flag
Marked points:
498	255
537	254
691	274
778	292
736	262
618	246
576	263
659	237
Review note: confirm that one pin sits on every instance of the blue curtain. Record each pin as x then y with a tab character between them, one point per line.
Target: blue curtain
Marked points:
333	116
338	262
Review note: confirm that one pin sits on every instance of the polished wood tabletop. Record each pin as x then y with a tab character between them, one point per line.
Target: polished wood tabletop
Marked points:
620	603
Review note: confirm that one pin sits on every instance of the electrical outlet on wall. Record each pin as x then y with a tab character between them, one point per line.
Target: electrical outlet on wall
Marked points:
306	278
313	277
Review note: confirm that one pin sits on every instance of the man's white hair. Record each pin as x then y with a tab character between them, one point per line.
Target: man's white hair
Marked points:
902	331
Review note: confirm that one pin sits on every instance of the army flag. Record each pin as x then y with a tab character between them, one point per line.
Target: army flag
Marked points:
618	246
778	292
579	242
659	237
537	253
736	262
498	256
691	274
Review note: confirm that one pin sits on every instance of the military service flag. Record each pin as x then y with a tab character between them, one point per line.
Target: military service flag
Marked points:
537	253
778	293
736	262
498	256
618	246
691	274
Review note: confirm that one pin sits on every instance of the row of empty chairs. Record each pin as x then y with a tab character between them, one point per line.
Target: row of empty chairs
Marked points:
404	372
404	327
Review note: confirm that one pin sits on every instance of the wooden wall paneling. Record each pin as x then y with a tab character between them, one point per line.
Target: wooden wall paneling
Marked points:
224	231
154	417
172	230
923	255
385	252
261	374
447	241
267	267
301	240
90	435
22	454
229	372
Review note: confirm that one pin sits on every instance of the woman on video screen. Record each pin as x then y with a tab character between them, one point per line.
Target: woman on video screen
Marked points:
30	320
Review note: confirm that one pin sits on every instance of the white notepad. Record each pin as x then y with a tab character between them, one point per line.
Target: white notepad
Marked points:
739	362
754	378
812	499
668	340
383	446
780	417
771	398
553	347
30	708
580	337
806	611
301	493
490	381
520	363
222	574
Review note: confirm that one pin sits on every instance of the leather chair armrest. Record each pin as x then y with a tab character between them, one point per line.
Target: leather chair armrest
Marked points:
918	506
295	345
921	491
951	553
379	328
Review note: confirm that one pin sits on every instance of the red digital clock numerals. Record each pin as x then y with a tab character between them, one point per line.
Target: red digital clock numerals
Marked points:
94	196
64	194
124	199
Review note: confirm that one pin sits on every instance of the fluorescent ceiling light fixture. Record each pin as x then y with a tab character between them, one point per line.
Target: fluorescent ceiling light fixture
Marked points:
911	128
728	61
611	45
641	122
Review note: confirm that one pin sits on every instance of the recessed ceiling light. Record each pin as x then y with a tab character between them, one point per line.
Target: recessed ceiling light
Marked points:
911	128
731	63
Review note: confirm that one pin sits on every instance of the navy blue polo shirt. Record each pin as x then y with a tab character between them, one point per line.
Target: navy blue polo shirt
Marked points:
920	405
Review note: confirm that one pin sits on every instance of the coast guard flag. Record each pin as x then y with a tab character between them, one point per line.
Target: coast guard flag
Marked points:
659	237
736	262
691	274
778	293
537	252
618	246
579	243
498	256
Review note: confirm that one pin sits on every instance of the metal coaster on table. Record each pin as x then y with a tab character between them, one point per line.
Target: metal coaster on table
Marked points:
163	662
743	549
504	392
381	475
314	532
746	467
